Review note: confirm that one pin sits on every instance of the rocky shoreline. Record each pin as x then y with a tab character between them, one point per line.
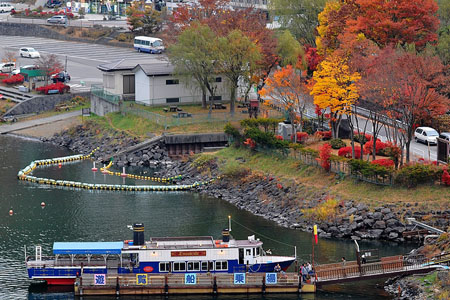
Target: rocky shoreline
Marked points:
283	202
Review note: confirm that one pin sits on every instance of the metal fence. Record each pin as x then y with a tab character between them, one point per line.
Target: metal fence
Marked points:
100	92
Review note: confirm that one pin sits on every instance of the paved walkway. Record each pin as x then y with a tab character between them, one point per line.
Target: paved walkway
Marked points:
32	123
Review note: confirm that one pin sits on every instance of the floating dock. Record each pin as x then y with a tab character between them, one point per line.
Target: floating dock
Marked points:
190	283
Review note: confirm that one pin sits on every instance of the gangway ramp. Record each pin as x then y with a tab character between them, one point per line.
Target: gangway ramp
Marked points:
390	266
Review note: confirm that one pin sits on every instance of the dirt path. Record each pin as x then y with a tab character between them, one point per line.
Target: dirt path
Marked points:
49	129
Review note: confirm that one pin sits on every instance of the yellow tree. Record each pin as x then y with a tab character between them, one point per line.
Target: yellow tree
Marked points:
287	88
335	89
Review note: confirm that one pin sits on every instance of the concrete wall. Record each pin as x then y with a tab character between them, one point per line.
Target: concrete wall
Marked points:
44	31
181	144
153	90
41	103
102	107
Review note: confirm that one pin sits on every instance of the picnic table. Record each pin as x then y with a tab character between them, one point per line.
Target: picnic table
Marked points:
182	114
174	109
219	106
63	107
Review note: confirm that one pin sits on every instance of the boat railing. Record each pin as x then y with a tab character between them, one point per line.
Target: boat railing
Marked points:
68	262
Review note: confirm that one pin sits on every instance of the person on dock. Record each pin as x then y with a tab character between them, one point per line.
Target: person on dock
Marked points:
304	272
343	261
277	268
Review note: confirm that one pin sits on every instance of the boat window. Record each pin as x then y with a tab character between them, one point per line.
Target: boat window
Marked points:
257	252
221	265
164	267
193	266
253	250
204	266
211	266
179	266
248	251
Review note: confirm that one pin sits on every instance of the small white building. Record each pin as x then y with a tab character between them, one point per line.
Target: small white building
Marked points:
156	85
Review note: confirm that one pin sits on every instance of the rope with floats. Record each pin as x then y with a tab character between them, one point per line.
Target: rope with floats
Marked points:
25	175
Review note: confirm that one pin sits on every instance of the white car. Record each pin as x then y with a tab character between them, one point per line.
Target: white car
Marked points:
7	67
29	52
426	135
6	7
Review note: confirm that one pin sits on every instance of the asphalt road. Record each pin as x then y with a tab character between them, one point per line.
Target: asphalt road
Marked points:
82	58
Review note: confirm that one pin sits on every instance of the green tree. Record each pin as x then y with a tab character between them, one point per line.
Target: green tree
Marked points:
195	57
238	56
299	16
443	46
143	18
289	49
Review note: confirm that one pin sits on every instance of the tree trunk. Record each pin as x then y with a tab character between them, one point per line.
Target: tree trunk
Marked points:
203	98
408	142
233	97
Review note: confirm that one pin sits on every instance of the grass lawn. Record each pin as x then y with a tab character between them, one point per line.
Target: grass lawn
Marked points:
434	197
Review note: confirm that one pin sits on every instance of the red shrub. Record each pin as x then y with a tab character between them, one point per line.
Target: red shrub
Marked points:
326	135
301	137
446	178
385	162
61	87
250	143
15	79
368	137
279	137
324	156
4	75
379	145
347	152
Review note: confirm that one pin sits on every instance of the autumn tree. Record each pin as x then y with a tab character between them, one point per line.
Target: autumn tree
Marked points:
143	18
405	87
50	64
335	89
298	16
287	88
237	56
289	49
195	57
395	22
9	56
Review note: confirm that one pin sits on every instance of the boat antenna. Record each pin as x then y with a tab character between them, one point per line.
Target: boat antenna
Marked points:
229	223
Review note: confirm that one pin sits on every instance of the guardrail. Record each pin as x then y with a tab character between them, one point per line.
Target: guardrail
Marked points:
100	92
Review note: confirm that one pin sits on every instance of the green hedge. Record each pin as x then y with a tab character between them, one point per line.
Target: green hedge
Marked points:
413	175
366	169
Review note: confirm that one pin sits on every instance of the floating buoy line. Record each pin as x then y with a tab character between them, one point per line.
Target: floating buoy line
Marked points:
25	175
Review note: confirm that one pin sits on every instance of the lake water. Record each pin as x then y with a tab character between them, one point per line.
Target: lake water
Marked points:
81	215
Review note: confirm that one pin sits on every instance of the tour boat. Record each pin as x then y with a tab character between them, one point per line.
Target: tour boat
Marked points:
159	255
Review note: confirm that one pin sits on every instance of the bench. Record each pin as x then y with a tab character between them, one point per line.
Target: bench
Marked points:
63	107
182	115
219	106
165	109
173	109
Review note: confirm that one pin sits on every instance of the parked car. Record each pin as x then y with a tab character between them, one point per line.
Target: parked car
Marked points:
62	19
29	52
426	135
27	67
7	67
61	77
53	3
6	7
445	136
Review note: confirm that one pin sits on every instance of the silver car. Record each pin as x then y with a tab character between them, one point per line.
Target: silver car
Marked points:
62	19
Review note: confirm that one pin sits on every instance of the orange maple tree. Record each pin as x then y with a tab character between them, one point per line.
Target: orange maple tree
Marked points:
286	87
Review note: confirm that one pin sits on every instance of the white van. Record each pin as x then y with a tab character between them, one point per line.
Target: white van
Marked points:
148	44
6	7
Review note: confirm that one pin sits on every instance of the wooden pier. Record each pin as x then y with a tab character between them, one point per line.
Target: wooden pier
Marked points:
147	284
247	283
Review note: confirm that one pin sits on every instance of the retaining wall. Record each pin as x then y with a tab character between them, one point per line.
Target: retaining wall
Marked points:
101	107
41	103
45	31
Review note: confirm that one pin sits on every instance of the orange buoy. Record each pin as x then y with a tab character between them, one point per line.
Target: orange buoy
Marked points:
123	173
94	169
43	204
59	165
11	212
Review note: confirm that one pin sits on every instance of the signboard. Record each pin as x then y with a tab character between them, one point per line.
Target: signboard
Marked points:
443	150
239	278
187	253
190	278
86	112
99	279
141	279
271	278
